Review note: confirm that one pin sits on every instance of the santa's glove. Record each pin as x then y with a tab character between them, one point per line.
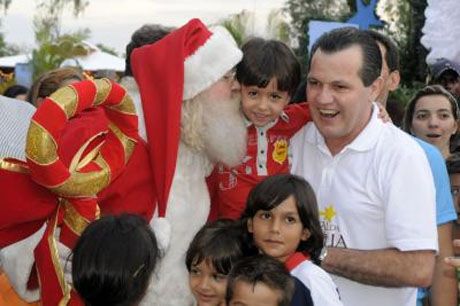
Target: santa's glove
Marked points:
17	261
162	229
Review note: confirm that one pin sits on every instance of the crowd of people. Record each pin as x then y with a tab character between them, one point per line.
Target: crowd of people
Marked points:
201	182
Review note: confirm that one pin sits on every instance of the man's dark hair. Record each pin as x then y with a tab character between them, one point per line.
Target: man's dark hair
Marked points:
262	269
113	260
15	90
266	59
391	50
147	34
343	38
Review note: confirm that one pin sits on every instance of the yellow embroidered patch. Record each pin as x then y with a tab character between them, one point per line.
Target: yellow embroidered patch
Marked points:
280	151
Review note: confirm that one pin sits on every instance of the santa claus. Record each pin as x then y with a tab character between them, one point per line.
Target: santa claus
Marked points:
191	108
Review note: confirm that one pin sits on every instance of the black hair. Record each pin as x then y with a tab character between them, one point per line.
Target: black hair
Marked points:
262	269
275	189
430	90
344	38
453	163
391	50
267	59
220	242
147	34
113	261
15	90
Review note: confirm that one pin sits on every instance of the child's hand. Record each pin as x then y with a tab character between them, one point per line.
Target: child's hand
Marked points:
383	114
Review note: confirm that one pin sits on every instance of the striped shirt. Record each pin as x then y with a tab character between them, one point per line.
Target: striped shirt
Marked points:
14	122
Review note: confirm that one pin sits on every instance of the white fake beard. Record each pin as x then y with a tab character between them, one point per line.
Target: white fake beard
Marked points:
224	133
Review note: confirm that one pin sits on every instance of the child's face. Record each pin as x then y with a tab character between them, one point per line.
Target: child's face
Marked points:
246	294
207	285
263	105
278	232
455	187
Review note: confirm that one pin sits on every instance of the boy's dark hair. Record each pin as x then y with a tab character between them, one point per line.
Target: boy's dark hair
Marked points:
262	269
113	261
267	59
391	50
430	90
15	90
220	242
269	193
453	163
147	34
340	39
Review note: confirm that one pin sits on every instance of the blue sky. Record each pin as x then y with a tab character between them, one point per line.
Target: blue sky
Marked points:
112	21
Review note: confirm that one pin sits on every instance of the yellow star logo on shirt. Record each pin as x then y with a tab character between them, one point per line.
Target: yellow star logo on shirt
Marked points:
328	213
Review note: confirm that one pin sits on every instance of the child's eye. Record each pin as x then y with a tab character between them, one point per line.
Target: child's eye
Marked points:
265	215
275	97
220	277
252	93
291	220
194	271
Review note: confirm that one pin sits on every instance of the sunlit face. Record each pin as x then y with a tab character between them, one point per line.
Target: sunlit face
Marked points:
263	105
455	187
433	120
246	294
278	232
340	104
207	285
224	88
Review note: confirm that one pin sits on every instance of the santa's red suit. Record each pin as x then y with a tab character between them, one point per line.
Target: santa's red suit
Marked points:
177	68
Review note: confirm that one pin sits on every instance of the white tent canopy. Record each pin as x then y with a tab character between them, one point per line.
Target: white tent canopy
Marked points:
11	61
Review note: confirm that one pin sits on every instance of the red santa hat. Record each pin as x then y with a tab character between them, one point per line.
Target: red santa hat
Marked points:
177	68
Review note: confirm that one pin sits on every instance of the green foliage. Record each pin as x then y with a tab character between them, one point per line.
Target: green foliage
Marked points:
277	26
405	93
107	49
54	47
7	49
237	25
405	20
302	11
4	4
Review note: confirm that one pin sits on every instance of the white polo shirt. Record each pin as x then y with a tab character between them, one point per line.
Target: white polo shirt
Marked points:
377	193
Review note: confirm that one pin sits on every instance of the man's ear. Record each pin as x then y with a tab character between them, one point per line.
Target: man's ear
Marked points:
376	88
394	78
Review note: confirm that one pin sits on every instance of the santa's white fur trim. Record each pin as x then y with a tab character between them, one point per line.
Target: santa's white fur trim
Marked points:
210	62
17	260
162	229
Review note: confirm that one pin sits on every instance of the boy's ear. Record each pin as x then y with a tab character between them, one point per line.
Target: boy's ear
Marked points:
249	224
395	78
305	234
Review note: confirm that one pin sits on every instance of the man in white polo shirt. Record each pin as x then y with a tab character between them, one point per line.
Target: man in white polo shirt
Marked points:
374	186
